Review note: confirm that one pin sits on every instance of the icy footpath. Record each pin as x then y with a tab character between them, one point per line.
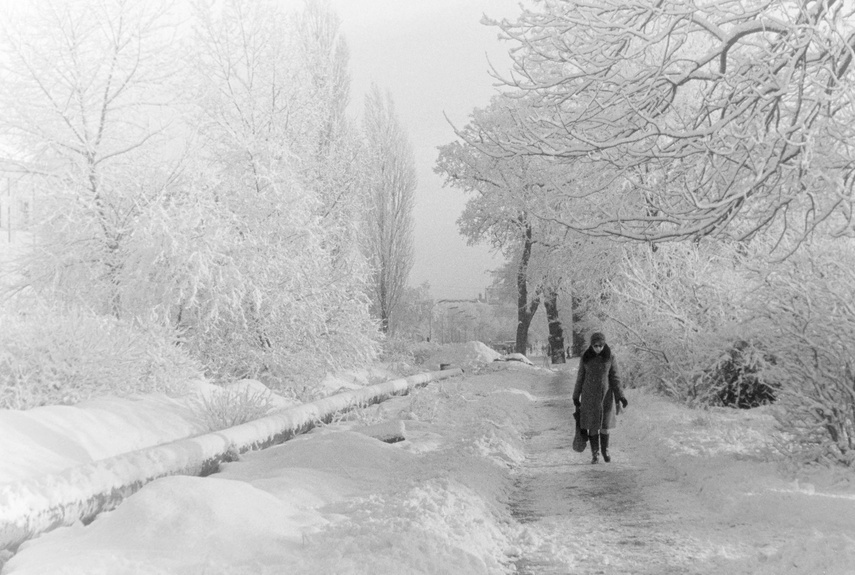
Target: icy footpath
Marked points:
694	492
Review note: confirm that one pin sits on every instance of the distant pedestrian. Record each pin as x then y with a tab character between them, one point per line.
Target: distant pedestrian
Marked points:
596	394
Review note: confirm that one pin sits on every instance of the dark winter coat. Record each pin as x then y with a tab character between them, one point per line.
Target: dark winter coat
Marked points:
597	388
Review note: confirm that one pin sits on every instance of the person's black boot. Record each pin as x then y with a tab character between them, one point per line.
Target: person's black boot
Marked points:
604	442
595	448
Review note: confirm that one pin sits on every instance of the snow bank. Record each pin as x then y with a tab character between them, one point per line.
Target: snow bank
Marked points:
438	526
466	356
174	525
727	458
516	357
38	505
356	378
330	501
50	439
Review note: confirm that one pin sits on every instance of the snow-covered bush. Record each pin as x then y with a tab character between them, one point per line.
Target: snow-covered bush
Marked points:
416	353
807	311
710	326
674	312
251	285
743	376
235	406
52	356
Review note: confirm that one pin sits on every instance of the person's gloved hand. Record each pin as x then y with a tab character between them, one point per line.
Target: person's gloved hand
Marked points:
623	402
577	403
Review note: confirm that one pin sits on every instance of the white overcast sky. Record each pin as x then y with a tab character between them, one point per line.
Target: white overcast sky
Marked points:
432	55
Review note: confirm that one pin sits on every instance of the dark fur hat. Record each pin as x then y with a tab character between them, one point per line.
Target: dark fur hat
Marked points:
598	337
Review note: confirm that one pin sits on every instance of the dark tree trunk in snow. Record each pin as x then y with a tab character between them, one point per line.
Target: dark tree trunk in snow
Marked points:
556	331
525	309
578	337
384	309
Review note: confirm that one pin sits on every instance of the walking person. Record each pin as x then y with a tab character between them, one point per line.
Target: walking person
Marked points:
596	394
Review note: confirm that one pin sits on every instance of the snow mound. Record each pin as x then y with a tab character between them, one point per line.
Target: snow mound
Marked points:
463	355
515	391
331	384
499	451
53	438
175	525
515	357
356	378
436	526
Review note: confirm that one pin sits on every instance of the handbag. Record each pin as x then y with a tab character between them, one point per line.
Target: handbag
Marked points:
580	439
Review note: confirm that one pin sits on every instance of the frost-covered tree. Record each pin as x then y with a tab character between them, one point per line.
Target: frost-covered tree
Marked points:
803	309
496	212
181	189
717	117
89	98
676	308
413	315
390	180
512	203
283	277
328	146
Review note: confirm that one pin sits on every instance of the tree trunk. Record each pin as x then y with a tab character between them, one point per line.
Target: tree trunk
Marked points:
525	309
578	338
556	331
523	323
383	308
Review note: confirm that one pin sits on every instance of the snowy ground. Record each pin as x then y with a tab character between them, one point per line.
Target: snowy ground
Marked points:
686	493
485	482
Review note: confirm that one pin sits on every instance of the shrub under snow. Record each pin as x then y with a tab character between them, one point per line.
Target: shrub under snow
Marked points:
743	377
807	310
675	312
50	356
699	324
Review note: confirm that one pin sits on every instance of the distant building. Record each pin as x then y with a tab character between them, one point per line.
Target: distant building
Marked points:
17	200
493	295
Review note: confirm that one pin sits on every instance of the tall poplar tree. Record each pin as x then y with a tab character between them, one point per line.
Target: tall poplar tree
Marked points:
390	178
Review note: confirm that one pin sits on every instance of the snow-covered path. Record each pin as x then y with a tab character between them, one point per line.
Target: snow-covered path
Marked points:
601	518
485	483
640	514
